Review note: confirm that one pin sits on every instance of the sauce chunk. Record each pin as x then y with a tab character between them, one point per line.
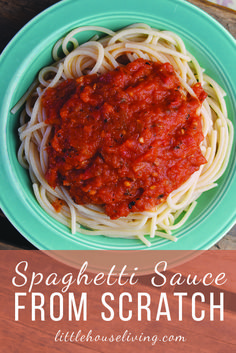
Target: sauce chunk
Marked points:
126	139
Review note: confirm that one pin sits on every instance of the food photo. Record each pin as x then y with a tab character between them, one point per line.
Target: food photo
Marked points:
118	127
118	176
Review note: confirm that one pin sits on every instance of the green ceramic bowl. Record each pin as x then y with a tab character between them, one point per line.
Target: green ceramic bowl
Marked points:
30	50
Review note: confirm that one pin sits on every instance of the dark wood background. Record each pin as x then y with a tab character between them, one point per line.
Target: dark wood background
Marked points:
14	14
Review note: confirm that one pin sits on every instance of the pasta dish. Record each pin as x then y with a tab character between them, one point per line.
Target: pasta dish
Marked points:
123	133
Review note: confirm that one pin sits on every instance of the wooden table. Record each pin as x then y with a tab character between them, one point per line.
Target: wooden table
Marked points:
13	16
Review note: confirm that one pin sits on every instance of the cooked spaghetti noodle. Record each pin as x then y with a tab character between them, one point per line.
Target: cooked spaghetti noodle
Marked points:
98	56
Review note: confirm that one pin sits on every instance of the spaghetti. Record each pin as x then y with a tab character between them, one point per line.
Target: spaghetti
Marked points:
99	56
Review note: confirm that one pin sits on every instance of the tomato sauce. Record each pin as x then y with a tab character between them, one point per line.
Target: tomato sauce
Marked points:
125	139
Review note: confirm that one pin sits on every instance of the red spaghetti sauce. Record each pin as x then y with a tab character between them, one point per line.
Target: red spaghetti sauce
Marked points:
125	139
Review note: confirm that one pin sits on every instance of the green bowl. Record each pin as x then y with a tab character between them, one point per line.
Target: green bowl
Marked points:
31	49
